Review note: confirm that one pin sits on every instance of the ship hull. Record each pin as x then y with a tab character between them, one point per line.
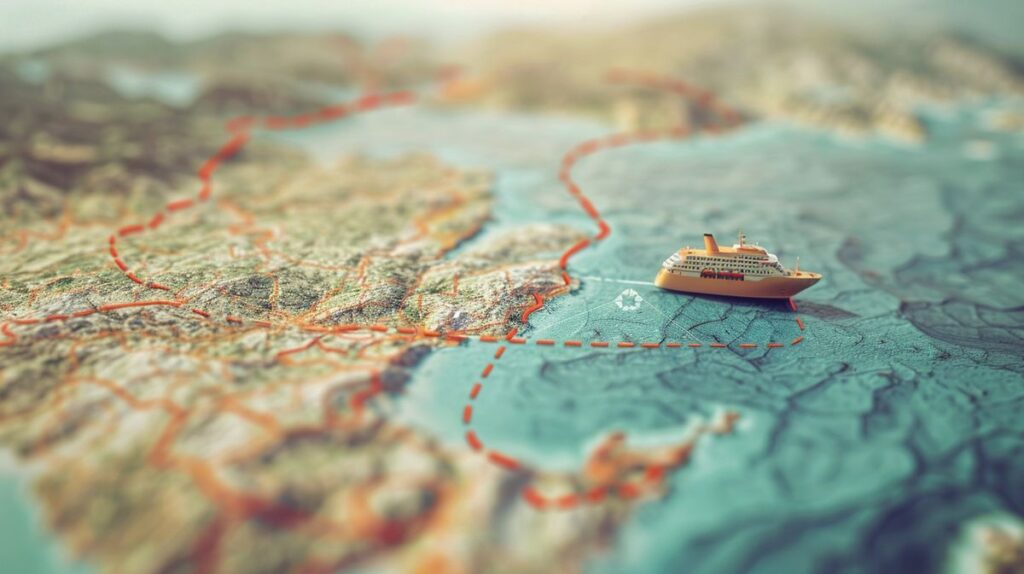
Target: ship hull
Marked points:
767	288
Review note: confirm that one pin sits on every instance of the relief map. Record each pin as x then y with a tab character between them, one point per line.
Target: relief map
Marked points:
310	302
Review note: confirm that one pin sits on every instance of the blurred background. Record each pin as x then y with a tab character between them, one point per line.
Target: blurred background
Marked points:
880	139
35	24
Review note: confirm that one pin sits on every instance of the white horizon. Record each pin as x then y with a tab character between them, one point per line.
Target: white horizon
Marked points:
32	24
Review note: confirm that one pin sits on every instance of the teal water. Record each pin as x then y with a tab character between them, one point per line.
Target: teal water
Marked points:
173	88
25	546
863	448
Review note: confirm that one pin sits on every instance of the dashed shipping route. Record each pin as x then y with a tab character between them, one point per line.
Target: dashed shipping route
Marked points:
652	473
609	468
411	328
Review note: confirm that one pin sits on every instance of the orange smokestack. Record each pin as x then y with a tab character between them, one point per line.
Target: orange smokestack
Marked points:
709	244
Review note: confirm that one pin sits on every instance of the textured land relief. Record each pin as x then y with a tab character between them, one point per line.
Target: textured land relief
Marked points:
393	317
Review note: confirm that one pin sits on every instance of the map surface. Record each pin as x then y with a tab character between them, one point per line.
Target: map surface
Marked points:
303	303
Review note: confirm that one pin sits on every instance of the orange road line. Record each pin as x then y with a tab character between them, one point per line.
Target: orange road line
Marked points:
129	230
599	344
225	152
473	441
797	340
588	207
275	122
180	204
342	328
619	139
800	322
654	473
626	344
517	340
534	498
488	339
160	451
298	349
239	123
591	146
487	370
650	345
499	352
358	401
564	260
596	495
241	136
503	460
718	345
775	345
539	302
467	414
567	501
694	345
573	344
628	490
673	345
748	345
545	341
266	421
475	391
588	147
332	112
116	306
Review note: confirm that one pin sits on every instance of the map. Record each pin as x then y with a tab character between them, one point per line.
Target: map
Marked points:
312	302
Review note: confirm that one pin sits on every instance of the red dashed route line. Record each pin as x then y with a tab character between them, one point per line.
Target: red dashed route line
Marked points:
411	332
11	338
652	474
241	127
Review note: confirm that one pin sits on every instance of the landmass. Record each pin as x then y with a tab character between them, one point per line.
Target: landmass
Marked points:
206	332
772	62
223	374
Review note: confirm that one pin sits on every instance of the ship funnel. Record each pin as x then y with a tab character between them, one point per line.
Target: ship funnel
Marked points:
709	243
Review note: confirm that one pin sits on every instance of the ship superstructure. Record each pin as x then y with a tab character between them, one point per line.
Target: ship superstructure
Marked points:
739	271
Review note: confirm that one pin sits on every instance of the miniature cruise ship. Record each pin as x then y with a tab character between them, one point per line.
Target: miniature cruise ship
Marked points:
738	271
